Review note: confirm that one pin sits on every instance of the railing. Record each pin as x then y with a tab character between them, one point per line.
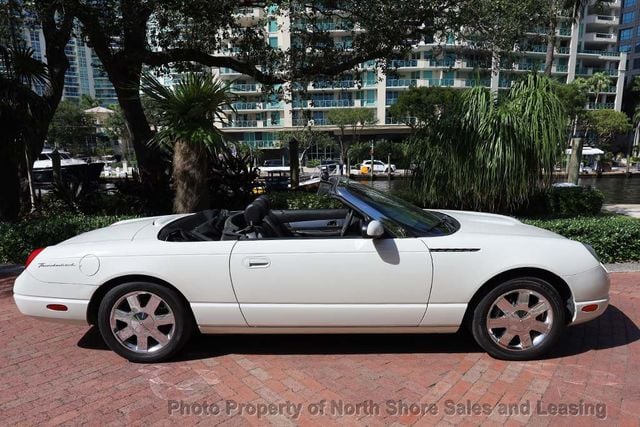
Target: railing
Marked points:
245	105
240	87
394	121
242	124
504	83
322	84
402	82
481	82
403	63
316	122
598	52
261	143
563	50
601	106
590	71
562	68
444	63
330	103
440	82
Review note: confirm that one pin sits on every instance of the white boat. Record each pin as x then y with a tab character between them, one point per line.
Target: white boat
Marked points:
69	167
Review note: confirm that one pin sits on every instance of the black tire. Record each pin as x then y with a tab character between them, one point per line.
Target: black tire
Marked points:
170	307
511	343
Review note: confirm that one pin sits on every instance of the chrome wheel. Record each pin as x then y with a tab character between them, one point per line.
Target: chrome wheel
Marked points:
520	319
142	322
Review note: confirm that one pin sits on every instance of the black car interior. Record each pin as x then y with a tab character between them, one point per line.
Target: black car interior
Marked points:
260	221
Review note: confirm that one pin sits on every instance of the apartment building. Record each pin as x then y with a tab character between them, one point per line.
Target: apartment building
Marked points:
85	75
582	49
629	34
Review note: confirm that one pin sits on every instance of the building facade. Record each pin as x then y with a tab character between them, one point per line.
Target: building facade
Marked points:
582	49
85	75
629	34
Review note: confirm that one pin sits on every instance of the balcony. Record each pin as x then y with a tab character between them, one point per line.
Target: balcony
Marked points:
327	84
591	71
246	15
239	87
402	82
600	38
311	122
333	103
242	124
440	82
481	82
599	52
443	63
601	106
404	63
245	106
605	20
262	143
393	121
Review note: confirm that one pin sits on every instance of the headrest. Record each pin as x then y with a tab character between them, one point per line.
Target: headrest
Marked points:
264	202
254	213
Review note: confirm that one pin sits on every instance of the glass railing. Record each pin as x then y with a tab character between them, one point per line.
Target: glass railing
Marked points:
441	82
442	63
240	87
330	103
244	123
590	71
473	83
599	52
245	105
400	63
401	82
394	121
601	106
563	50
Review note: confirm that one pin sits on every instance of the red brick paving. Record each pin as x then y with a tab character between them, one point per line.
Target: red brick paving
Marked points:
59	374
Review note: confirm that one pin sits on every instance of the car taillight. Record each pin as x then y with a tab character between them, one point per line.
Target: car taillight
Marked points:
32	256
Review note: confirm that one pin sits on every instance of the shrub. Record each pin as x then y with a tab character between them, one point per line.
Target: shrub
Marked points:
564	202
615	238
301	200
18	239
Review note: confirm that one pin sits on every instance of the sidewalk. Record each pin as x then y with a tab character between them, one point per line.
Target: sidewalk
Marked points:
623	209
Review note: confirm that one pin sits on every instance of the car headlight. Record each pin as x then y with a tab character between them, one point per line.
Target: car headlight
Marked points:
592	251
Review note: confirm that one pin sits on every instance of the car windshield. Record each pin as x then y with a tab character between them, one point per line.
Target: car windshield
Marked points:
418	221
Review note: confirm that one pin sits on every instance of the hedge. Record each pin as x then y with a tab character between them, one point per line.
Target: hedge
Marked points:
615	238
18	239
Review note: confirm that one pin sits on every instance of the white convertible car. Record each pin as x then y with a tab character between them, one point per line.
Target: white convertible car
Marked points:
378	264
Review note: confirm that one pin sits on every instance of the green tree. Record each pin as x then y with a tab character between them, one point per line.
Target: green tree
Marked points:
187	127
26	113
70	127
421	107
127	36
307	137
354	119
574	97
598	83
607	125
491	154
88	101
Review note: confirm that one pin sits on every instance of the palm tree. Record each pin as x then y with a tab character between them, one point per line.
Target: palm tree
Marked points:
598	83
21	108
187	112
489	153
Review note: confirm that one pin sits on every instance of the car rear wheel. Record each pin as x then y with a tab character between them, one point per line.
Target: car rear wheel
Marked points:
519	319
144	322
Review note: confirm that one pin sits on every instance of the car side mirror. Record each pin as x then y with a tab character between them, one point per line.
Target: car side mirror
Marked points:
373	230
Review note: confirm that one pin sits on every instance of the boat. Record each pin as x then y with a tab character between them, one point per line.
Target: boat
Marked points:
70	168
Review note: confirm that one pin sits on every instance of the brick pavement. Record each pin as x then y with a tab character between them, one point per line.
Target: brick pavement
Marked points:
59	374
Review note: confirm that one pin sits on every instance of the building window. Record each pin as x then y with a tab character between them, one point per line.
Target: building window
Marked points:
625	48
627	17
628	3
626	34
636	63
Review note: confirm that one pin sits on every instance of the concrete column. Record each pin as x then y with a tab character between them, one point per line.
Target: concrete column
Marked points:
622	74
381	97
573	51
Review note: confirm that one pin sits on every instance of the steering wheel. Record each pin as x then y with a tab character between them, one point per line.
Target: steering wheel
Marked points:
347	223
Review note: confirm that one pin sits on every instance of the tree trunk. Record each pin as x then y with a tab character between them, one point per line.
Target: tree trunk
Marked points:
551	46
151	165
294	164
575	160
10	187
190	169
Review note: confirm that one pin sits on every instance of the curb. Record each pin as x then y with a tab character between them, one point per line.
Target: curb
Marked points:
7	270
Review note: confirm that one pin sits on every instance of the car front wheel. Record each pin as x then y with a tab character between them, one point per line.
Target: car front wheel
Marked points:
144	322
520	319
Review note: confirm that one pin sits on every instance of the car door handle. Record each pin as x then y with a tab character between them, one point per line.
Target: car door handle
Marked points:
257	262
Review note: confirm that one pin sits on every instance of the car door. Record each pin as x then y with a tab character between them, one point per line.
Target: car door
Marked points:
332	281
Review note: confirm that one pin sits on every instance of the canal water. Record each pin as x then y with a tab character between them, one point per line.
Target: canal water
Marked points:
616	189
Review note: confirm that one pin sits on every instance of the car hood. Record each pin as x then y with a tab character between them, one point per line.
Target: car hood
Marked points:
121	230
492	224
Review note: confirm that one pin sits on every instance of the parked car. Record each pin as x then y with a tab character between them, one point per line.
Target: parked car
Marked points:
147	283
379	166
